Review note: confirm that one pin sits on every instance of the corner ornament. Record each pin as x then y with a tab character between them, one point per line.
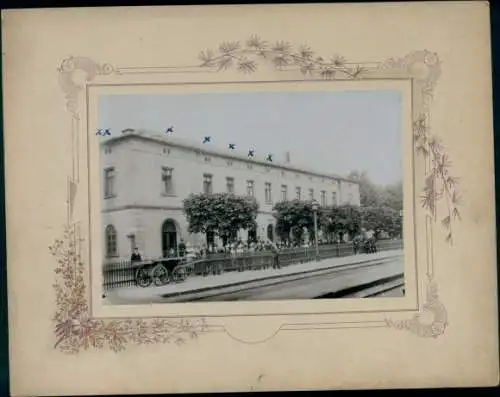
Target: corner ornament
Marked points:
74	73
422	66
431	329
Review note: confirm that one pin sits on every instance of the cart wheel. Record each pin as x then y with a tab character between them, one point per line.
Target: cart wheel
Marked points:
160	275
142	278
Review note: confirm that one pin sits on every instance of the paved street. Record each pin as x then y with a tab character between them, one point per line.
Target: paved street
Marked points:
315	286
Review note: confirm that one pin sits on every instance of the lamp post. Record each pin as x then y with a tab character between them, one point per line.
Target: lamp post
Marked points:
315	207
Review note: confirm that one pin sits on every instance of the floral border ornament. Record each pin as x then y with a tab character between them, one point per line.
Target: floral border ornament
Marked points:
76	330
281	54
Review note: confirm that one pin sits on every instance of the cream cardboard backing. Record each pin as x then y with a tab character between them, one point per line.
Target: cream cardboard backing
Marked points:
57	62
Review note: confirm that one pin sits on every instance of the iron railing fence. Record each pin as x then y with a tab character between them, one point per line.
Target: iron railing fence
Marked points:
126	273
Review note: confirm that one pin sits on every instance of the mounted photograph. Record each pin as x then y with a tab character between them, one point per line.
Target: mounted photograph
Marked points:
251	196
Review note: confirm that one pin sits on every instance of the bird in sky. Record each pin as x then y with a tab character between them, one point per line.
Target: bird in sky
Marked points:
169	130
206	139
251	153
102	132
270	157
232	146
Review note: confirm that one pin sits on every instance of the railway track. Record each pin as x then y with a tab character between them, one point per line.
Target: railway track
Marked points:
371	289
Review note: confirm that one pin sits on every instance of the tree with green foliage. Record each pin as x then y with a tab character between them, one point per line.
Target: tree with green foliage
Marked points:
351	219
292	217
221	213
381	219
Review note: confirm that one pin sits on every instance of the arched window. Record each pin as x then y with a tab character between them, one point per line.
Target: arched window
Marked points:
111	245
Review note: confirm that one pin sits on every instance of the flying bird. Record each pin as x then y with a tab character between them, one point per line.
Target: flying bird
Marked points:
103	133
169	130
251	153
206	139
270	157
232	146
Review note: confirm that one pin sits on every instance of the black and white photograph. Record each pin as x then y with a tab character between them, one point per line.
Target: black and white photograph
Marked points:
251	196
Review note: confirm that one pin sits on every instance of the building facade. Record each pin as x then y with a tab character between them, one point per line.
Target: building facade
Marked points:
145	178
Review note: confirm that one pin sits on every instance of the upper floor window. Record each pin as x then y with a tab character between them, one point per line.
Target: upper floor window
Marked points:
311	194
167	180
298	192
323	198
230	184
207	184
250	188
110	241
109	182
268	193
284	191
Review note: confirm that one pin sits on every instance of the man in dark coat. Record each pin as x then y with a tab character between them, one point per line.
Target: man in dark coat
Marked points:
136	256
182	248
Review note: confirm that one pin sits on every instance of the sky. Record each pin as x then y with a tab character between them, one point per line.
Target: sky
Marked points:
328	131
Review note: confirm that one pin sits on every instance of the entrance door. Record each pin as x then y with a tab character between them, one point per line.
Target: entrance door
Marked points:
270	232
169	238
252	234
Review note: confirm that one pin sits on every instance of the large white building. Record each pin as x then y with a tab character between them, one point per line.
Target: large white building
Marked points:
145	177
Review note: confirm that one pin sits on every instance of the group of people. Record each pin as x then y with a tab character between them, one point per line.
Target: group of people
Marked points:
240	247
369	244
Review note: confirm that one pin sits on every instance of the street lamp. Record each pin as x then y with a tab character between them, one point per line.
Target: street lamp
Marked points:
315	207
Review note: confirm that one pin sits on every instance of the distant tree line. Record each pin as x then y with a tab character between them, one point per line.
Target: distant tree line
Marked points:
374	195
295	217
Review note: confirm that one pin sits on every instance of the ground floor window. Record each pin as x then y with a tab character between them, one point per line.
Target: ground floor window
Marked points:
110	241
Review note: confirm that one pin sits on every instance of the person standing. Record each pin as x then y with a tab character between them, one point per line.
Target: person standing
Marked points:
136	256
182	248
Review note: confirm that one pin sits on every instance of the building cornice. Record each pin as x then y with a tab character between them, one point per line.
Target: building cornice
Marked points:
156	207
173	142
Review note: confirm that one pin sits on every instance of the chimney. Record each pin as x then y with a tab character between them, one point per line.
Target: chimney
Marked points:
287	157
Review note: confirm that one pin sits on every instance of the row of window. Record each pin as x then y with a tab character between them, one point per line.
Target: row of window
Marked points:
250	190
168	187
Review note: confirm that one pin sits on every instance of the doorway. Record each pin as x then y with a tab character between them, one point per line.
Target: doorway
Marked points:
169	238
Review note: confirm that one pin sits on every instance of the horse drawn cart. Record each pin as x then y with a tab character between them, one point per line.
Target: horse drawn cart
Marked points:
161	271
